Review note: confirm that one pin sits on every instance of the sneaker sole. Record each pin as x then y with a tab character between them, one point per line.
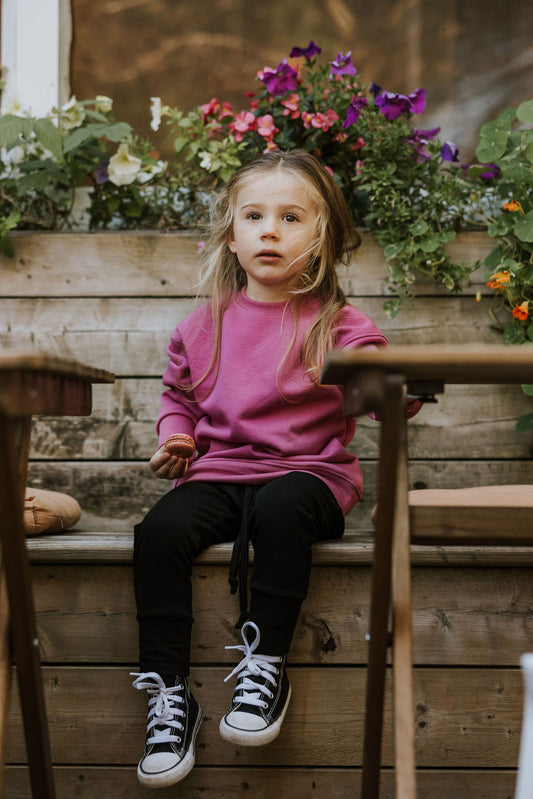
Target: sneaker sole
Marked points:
178	772
254	737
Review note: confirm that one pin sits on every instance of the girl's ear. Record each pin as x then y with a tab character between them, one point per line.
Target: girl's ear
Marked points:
232	245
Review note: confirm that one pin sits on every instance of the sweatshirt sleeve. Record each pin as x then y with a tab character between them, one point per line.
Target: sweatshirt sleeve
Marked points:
179	412
354	329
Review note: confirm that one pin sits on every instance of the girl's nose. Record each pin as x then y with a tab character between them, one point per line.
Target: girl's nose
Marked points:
270	229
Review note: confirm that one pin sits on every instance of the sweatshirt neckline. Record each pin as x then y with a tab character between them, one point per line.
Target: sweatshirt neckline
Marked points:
244	301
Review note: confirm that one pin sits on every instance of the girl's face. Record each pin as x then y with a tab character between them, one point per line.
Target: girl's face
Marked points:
274	232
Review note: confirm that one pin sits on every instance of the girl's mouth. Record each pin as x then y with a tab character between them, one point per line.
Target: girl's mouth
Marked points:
268	254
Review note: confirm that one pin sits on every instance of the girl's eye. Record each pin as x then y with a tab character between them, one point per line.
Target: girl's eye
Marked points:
253	215
290	218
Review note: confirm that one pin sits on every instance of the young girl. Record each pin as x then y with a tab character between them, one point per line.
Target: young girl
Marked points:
256	445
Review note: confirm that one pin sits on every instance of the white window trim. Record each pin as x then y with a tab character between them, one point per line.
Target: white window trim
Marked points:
36	38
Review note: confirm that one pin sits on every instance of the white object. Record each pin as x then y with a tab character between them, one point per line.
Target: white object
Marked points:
524	783
36	37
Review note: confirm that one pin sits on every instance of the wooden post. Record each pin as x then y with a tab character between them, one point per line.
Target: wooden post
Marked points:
36	37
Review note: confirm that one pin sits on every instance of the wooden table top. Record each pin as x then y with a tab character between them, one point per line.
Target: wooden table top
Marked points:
450	364
40	362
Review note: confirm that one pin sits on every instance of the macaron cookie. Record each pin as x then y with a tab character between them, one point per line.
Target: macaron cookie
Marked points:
180	444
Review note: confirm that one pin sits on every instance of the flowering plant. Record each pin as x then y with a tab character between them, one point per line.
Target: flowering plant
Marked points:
399	180
510	264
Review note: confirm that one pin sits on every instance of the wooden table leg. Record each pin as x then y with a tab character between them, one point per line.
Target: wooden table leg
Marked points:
404	718
393	416
14	438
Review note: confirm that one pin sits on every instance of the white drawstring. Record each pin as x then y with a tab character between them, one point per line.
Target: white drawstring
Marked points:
253	665
161	714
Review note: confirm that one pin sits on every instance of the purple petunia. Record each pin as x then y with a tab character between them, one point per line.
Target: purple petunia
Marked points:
394	105
419	138
281	80
374	89
354	110
342	65
491	171
100	173
449	151
309	52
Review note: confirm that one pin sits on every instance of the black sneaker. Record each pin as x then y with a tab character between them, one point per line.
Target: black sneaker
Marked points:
174	718
261	696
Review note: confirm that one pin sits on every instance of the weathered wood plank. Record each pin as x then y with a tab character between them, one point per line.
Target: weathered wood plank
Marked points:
86	782
115	495
461	616
164	264
122	425
465	718
131	337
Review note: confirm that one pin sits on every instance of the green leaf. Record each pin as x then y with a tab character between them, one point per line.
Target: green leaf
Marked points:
505	119
392	250
524	112
11	127
115	133
494	257
419	229
513	334
430	244
501	227
527	388
525	423
49	136
524	227
391	308
35	181
518	172
492	144
6	245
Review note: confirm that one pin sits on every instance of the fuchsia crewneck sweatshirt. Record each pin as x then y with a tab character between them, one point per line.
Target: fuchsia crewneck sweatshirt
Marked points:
258	420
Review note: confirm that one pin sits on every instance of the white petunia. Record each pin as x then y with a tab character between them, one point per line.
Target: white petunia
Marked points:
150	171
72	114
155	108
123	167
206	161
103	104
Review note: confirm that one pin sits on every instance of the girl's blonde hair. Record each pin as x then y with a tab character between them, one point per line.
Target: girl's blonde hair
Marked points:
222	276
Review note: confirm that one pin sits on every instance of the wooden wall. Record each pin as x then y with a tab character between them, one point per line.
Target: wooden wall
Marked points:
112	300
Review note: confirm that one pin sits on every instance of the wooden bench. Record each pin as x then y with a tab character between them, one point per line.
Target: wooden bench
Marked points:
113	300
472	613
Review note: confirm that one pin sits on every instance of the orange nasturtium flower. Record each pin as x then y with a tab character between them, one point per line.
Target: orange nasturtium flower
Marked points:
514	205
521	311
499	280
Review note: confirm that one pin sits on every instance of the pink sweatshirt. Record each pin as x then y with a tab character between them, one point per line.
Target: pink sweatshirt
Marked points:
259	420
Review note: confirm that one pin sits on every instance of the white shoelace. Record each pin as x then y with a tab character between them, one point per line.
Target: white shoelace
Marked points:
254	665
162	713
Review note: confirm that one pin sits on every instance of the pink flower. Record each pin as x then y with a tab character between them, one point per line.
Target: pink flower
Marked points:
329	170
324	121
266	127
291	106
358	167
210	109
307	119
242	123
271	145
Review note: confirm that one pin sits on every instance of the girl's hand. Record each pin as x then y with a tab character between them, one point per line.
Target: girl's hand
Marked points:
172	458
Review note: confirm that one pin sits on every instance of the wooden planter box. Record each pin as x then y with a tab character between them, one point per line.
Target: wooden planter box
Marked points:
112	300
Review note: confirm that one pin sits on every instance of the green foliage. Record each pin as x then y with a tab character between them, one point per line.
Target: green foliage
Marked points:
508	143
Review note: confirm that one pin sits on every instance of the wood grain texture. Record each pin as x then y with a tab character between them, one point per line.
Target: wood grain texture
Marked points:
120	782
115	495
465	718
462	616
164	264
